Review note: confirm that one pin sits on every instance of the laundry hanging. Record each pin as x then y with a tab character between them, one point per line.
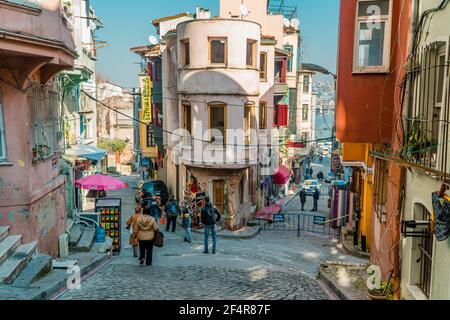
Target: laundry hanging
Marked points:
442	216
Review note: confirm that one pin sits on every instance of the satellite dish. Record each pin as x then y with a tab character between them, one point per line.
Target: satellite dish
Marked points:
286	22
295	23
153	40
244	10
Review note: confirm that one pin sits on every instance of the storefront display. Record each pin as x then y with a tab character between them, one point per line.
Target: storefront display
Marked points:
110	219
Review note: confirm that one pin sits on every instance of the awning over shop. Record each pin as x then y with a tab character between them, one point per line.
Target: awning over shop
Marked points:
87	152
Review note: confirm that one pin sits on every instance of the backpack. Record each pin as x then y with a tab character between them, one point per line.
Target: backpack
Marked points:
173	208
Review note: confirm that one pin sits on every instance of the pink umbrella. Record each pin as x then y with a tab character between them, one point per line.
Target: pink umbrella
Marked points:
281	176
100	182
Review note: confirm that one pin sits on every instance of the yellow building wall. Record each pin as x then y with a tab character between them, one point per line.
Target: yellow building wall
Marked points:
359	152
147	152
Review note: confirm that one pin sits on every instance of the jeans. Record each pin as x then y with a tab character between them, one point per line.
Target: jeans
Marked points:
171	220
146	251
214	237
303	206
316	205
187	225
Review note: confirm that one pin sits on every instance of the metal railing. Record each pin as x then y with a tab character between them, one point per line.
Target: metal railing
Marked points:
299	223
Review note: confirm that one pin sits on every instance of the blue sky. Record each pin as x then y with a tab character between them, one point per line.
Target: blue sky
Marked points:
127	25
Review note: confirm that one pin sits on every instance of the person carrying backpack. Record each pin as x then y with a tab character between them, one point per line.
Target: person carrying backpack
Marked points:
172	212
210	216
187	222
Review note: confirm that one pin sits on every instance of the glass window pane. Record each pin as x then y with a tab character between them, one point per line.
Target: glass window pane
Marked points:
370	8
218	119
441	76
250	45
371	45
263	67
187	59
218	51
262	115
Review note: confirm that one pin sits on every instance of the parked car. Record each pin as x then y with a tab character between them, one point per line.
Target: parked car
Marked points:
146	189
310	186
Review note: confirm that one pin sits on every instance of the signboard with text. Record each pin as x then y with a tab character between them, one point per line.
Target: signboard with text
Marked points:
146	98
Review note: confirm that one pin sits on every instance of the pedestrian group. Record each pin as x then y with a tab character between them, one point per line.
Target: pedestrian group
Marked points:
143	225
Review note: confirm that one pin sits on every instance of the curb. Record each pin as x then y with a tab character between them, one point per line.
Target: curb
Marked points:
334	288
54	288
350	251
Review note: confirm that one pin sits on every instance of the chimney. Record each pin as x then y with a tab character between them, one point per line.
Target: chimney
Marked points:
202	13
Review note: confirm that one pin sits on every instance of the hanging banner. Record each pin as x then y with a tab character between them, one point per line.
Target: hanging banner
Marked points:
146	99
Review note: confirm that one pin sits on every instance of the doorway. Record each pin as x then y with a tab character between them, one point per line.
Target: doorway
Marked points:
219	194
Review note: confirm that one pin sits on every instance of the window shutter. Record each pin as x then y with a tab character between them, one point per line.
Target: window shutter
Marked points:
282	120
283	71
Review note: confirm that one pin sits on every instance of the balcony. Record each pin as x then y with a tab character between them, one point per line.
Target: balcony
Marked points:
217	156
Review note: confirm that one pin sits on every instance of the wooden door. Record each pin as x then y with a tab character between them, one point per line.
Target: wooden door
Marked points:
219	195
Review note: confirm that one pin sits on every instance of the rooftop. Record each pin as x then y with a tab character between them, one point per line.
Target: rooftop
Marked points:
168	18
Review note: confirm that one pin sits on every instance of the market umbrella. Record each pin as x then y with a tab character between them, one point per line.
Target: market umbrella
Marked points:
281	176
100	182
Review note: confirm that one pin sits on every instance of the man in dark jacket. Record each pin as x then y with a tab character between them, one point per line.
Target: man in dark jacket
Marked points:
303	196
172	212
210	216
316	198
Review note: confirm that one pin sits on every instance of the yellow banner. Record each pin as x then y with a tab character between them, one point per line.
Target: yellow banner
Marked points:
146	90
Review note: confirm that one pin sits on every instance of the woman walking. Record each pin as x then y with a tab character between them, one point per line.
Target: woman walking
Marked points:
132	224
145	233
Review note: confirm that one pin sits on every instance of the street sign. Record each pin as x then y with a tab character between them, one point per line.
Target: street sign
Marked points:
319	220
278	218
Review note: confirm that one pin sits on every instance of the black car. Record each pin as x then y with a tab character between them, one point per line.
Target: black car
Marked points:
147	189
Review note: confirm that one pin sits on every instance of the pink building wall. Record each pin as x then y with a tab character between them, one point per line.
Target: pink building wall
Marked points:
36	46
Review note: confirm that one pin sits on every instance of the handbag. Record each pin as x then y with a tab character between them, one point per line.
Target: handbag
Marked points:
159	239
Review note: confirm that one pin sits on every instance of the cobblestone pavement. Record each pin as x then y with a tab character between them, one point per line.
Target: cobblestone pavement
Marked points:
272	266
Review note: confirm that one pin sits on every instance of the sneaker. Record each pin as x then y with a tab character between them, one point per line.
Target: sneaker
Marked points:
205	252
141	261
213	252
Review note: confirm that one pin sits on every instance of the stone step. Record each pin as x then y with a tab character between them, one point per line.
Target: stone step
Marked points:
75	235
3	233
12	267
39	266
7	247
86	241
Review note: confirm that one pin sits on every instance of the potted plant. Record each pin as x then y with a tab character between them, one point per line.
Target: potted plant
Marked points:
386	292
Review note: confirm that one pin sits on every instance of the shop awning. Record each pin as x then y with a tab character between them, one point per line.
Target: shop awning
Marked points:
87	152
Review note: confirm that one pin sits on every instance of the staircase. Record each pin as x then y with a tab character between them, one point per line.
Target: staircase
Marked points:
19	263
81	238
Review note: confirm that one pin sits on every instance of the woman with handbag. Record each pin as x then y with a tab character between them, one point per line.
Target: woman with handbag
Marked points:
132	225
145	233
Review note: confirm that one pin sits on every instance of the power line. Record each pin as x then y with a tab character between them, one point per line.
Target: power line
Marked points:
182	136
99	90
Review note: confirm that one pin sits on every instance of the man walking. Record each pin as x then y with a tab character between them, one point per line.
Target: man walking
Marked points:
316	198
303	196
210	215
172	210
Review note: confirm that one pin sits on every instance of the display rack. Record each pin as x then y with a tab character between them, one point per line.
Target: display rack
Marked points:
111	219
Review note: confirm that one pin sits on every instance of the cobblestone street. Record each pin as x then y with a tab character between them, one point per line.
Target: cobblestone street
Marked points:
270	266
